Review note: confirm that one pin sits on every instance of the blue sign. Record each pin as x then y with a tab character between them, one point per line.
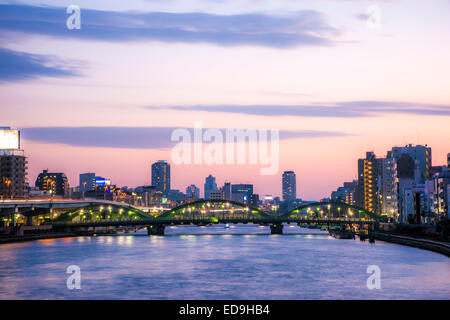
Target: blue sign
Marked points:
101	182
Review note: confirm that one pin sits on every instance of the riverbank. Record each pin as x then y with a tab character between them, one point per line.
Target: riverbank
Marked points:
13	239
432	245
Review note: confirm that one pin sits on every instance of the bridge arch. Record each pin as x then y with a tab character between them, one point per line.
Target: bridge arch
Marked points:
215	209
343	210
98	211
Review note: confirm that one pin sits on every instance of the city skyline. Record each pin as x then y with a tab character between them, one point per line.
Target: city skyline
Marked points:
91	98
156	174
258	188
227	157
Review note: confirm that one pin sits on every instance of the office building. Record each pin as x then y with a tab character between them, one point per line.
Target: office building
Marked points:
241	192
161	176
210	185
87	182
226	190
289	186
192	192
53	183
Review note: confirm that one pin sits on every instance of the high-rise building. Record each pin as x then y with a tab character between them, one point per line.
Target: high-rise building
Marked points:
289	186
368	182
13	176
13	165
210	185
226	190
87	182
420	155
387	187
241	192
413	170
161	176
192	192
54	183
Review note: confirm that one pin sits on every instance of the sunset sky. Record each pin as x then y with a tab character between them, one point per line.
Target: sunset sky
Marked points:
105	98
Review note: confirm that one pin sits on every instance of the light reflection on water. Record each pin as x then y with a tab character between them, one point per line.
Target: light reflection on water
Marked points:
242	262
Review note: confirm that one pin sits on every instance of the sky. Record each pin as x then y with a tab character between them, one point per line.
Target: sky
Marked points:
337	78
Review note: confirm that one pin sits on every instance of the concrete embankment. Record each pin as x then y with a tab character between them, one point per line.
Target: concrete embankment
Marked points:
437	246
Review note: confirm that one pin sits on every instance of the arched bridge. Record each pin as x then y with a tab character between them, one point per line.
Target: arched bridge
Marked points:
331	209
203	212
53	210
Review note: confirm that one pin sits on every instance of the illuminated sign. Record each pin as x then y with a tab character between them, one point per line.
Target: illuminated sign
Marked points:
102	182
164	200
9	139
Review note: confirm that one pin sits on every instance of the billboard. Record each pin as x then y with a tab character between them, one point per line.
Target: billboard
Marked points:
102	181
9	139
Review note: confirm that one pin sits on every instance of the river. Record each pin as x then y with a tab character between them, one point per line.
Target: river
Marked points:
242	262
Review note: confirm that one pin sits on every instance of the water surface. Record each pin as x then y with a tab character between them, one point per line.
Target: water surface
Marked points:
243	262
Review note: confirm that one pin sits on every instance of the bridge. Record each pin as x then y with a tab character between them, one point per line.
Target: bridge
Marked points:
95	215
51	208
